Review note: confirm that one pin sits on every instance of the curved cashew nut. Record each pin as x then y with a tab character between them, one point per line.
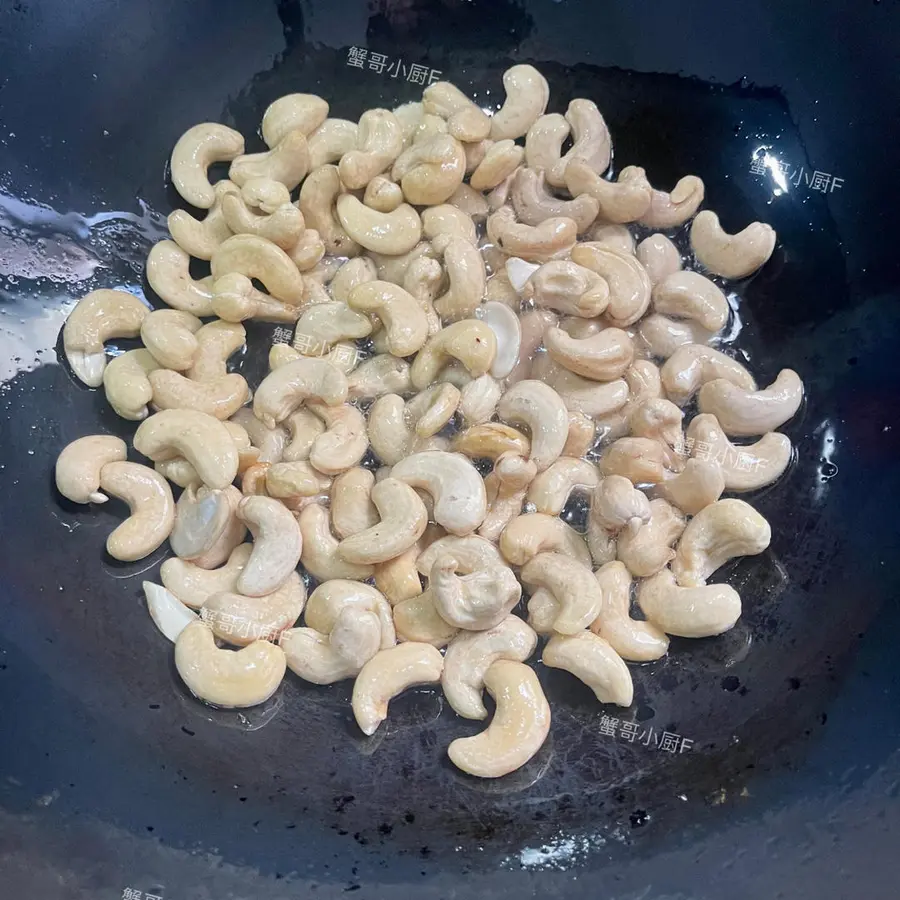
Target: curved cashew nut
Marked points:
389	673
550	491
615	237
380	375
700	484
669	210
689	295
152	509
318	196
544	140
291	112
538	407
393	268
79	465
601	357
284	226
283	390
460	503
287	162
534	204
465	121
430	171
389	433
693	365
591	660
553	238
592	398
628	282
648	548
746	467
447	220
221	398
98	317
472	554
255	257
328	601
621	201
518	729
573	586
731	255
327	658
127	385
643	383
194	585
640	460
391	233
471	341
659	256
270	441
276	548
749	413
200	238
568	288
660	420
403	318
352	510
379	142
330	141
506	488
467	276
694	612
195	151
472	653
398	578
202	517
430	410
344	442
471	202
201	439
168	272
352	274
227	678
479	398
417	620
591	141
719	532
216	343
320	548
527	95
617	503
490	441
234	298
327	324
290	481
629	638
662	336
476	601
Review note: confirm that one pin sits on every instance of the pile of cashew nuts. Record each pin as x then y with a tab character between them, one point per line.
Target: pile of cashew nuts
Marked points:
485	268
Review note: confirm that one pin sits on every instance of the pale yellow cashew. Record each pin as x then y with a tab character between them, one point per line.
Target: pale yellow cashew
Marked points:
689	295
490	441
582	432
410	116
469	656
200	238
621	201
640	460
551	239
615	237
538	407
169	614
749	413
235	299
169	275
693	365
591	660
430	410
284	226
203	516
471	552
221	398
195	151
324	324
287	162
534	204
699	484
216	343
542	612
403	319
417	620
669	210
471	202
631	639
628	282
466	273
351	274
502	159
170	335
551	489
391	233
659	256
352	510
475	601
276	548
518	729
389	433
479	398
617	504
506	488
227	678
379	142
398	578
255	257
602	357
152	509
290	481
591	141
648	548
383	194
318	197
393	268
79	464
691	612
98	317
573	586
447	220
193	585
305	112
330	141
343	443
329	600
591	398
126	383
746	467
270	441
430	171
465	121
380	375
544	140
568	288
660	420
527	95
201	439
320	548
471	341
283	390
642	381
731	255
529	535
661	336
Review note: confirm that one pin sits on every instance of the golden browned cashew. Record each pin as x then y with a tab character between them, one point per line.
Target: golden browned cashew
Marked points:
352	510
391	233
453	482
661	336
98	317
479	398
79	465
216	342
126	384
283	226
195	151
490	440
290	481
591	660
430	171
694	612
659	256
518	729
193	585
719	532
749	413
380	375
469	656
276	548
417	620
506	487
467	276
283	390
465	121
471	341
640	460
403	318
534	204
235	299
476	601
601	357
648	548
699	484
693	365
270	441
669	210
633	640
628	283
255	257
379	142
330	141
531	534
582	432
200	238
291	112
538	407
221	398
466	199
552	239
591	141
324	324
746	467
689	295
527	95
318	196
500	161
320	548
287	162
169	275
152	509
202	518
550	491
731	255
383	194
617	503
227	678
568	288
620	201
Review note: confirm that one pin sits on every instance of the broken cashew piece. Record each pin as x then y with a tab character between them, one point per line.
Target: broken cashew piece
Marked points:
80	463
505	325
572	585
748	413
389	673
205	521
538	407
475	601
383	194
195	151
731	255
691	612
591	660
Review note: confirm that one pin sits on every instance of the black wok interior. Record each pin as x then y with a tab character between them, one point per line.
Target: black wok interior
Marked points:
113	777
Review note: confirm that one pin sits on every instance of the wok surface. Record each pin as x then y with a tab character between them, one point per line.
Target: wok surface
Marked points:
111	777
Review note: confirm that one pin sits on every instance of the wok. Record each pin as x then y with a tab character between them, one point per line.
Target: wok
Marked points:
113	780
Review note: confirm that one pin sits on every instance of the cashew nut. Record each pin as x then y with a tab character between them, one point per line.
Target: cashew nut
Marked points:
592	398
550	491
591	660
472	554
330	141
380	375
202	518
446	220
200	238
403	319
615	237
659	256
602	357
417	620
700	484
195	151
276	548
568	288
270	441
227	678
383	194
500	161
471	341
538	407
398	578
479	398
669	210
551	239
193	585
169	275
216	343
324	324
582	432
234	299
627	281
287	162
691	612
304	112
617	503
505	325
221	398
506	487
466	273
693	365
127	386
255	257
476	601
518	729
80	463
640	460
591	142
430	171
620	201
320	555
731	255
152	509
490	440
290	481
465	121
543	142
527	95
573	586
344	442
648	548
471	202
661	336
389	673
379	142
352	510
284	226
391	233
748	413
689	295
317	200
283	390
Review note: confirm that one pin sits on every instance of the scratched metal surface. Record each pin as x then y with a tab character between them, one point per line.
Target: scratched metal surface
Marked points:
111	778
